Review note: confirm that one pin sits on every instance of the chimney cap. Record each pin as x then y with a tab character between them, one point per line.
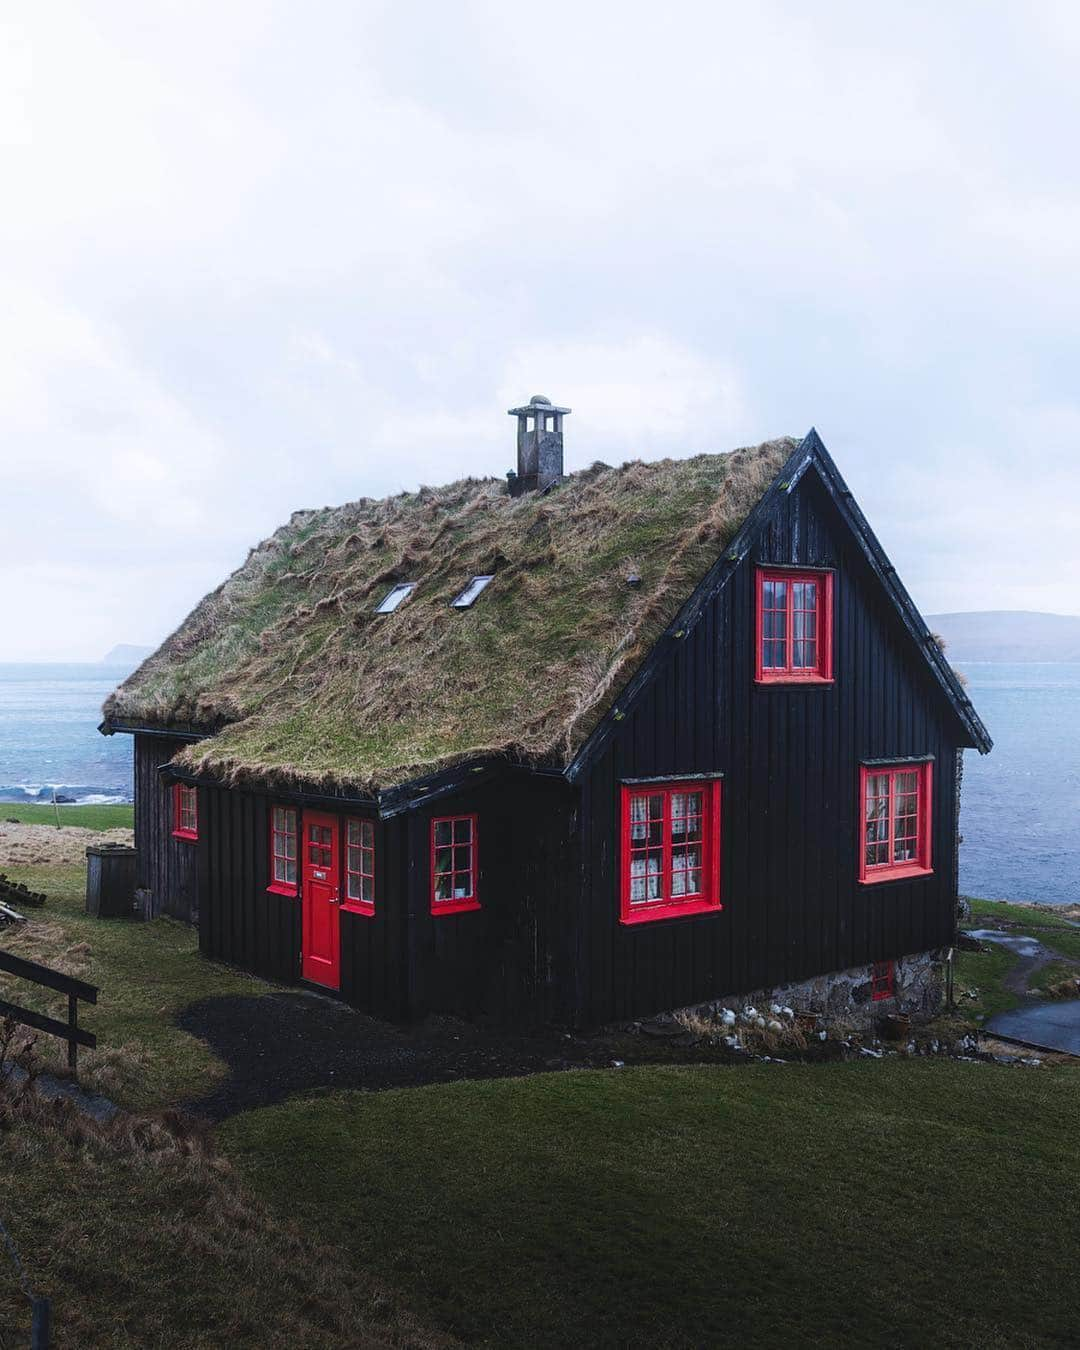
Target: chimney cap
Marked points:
537	403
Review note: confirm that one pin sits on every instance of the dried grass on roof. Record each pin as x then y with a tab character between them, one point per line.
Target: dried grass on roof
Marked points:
308	685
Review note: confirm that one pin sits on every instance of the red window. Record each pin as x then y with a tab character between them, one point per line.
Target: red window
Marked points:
670	850
883	980
185	812
283	850
895	805
794	626
453	864
360	866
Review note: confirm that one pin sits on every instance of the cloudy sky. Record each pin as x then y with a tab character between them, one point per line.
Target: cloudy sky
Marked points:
263	256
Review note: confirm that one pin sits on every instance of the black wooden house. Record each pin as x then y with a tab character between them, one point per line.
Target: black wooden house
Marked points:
565	749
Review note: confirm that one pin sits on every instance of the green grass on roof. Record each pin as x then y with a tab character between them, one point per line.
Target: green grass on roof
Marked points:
309	685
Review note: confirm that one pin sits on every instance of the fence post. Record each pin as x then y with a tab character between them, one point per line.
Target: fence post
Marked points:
40	1324
73	1025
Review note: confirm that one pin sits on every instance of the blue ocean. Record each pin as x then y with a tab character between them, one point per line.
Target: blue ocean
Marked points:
49	738
1021	804
1020	817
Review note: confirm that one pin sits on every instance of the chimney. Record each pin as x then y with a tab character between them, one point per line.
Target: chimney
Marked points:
539	446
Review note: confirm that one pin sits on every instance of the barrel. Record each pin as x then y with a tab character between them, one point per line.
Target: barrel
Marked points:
110	881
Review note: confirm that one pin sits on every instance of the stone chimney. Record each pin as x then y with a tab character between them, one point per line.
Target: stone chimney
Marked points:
539	446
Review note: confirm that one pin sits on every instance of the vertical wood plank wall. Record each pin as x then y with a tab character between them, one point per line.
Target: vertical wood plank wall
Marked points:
791	816
166	867
511	960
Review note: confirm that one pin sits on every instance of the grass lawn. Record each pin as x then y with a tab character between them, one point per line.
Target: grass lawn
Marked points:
899	1202
146	971
89	817
892	1202
983	973
142	1238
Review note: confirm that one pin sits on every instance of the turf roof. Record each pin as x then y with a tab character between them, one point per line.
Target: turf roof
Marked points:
301	682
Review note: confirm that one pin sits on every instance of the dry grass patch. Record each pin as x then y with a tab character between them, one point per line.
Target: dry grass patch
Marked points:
310	685
143	1236
42	845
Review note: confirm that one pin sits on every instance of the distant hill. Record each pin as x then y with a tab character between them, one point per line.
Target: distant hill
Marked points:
1008	635
126	654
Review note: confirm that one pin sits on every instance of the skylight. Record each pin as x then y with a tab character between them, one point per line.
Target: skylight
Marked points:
471	591
394	597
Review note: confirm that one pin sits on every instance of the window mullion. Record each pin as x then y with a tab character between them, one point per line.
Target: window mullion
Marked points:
789	628
667	881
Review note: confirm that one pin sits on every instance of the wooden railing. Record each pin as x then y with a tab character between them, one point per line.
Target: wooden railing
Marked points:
70	1030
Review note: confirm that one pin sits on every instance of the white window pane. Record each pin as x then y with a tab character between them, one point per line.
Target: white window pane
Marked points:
471	591
394	597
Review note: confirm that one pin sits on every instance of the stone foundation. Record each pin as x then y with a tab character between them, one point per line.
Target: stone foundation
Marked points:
847	995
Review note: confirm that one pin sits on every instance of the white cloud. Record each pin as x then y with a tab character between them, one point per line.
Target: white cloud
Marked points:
254	257
646	395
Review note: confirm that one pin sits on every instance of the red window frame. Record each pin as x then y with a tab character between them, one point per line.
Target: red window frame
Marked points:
882	980
359	866
668	849
281	833
821	671
185	811
889	853
464	834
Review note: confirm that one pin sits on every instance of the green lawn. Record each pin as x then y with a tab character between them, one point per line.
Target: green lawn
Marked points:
892	1202
146	972
984	972
89	817
897	1202
1022	914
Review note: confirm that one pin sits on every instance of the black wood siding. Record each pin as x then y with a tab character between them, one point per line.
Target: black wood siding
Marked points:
166	867
791	817
241	922
511	960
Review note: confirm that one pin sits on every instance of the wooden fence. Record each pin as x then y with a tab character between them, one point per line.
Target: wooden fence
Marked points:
75	990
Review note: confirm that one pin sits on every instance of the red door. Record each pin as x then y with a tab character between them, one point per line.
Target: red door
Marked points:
322	896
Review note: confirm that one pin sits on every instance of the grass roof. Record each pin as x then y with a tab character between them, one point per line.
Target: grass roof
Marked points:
301	682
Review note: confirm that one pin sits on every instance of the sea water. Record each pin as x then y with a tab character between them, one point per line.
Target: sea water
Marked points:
1020	812
1020	817
49	738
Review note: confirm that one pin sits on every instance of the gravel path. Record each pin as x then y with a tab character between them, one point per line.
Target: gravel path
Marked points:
279	1044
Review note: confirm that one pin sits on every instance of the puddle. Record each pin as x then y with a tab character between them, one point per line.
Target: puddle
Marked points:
1051	1026
1016	942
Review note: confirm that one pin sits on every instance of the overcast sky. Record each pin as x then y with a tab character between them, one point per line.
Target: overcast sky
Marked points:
255	257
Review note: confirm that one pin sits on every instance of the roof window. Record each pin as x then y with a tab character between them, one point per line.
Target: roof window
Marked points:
394	597
470	593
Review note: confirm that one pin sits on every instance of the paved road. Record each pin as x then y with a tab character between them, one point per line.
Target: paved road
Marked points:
1051	1026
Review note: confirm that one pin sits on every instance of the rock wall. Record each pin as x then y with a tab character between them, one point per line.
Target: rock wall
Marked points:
847	995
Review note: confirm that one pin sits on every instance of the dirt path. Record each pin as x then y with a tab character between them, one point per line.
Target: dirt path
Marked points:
1033	955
